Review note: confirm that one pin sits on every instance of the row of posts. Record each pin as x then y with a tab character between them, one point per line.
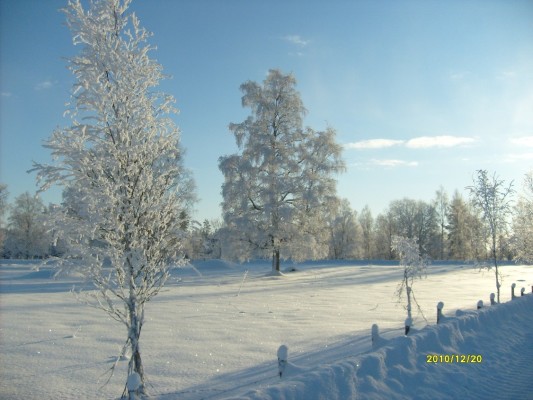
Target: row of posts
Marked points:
283	350
440	316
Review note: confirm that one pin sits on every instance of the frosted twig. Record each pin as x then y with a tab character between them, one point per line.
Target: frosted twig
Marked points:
242	283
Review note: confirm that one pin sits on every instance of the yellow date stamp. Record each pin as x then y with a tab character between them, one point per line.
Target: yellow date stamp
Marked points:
454	358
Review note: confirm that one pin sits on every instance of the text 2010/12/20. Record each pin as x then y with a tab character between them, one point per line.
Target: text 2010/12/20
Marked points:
454	358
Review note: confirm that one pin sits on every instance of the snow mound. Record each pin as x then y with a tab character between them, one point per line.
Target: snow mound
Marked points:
215	265
467	356
275	274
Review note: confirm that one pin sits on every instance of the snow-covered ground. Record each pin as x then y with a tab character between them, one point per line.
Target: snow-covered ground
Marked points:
215	335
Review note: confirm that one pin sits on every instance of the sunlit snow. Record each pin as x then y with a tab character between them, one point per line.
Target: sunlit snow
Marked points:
215	334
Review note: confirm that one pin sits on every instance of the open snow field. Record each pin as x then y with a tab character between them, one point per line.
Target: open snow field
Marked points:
216	335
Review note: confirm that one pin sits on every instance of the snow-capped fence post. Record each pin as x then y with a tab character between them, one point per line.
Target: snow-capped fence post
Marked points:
522	291
283	353
133	384
408	323
375	335
440	306
492	300
480	304
512	291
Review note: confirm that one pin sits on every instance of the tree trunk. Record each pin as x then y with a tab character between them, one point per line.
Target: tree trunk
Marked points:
494	256
498	284
275	260
408	291
134	334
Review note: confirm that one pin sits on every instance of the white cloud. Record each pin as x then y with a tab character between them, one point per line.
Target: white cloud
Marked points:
425	142
394	163
524	141
507	74
296	39
44	85
422	142
523	117
511	158
6	94
373	144
459	75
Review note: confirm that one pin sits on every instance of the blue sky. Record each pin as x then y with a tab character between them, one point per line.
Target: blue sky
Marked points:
421	93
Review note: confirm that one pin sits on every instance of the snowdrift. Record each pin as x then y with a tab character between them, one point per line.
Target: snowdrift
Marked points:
496	342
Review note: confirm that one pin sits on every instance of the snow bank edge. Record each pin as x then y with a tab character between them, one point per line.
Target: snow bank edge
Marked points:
400	369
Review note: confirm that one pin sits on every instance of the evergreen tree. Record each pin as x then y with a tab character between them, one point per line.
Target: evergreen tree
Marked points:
459	229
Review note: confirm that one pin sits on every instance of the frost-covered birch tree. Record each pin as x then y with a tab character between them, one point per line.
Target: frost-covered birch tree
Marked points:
523	222
26	235
441	205
345	233
276	188
493	198
366	221
121	159
414	267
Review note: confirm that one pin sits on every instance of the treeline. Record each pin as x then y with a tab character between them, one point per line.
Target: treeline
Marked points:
25	235
447	228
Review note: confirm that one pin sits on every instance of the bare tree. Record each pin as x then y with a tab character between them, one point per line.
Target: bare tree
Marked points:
493	198
121	159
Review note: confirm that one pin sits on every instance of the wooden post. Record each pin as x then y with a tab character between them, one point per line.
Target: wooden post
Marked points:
522	291
480	304
283	353
440	306
375	335
512	291
133	384
492	301
408	323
